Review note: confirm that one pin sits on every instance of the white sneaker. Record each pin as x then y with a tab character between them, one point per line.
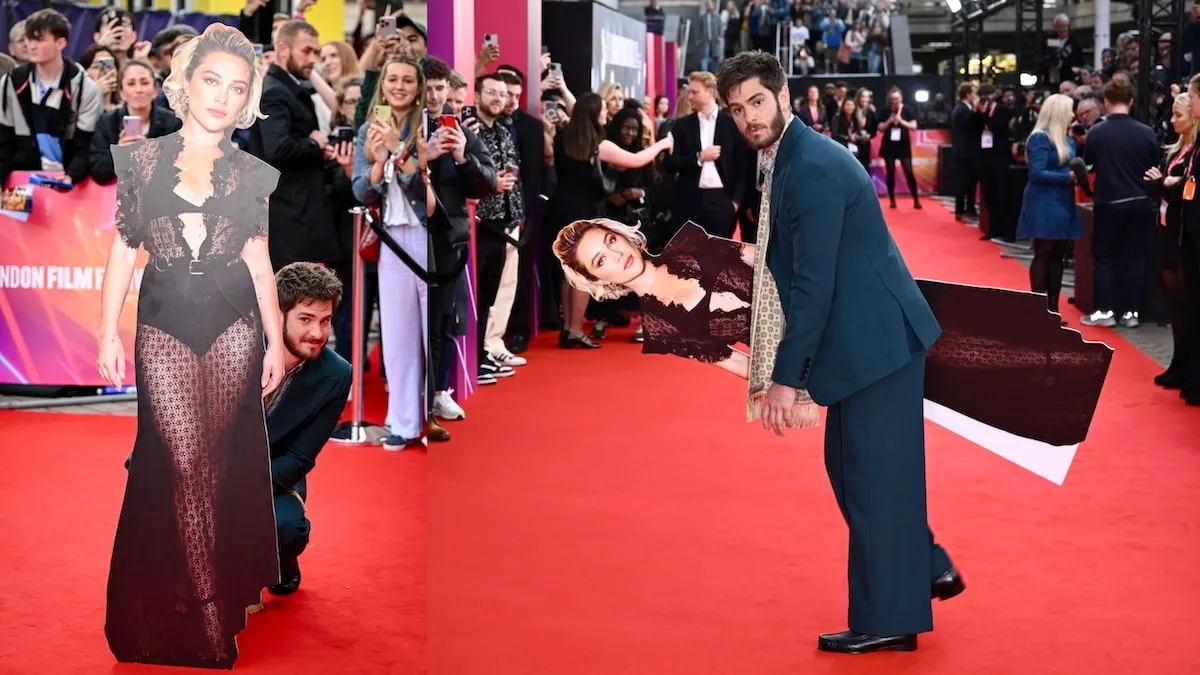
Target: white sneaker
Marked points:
496	370
1098	318
509	359
1130	320
445	407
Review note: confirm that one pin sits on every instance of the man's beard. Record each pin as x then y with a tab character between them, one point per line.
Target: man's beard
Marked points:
493	111
296	347
296	71
776	130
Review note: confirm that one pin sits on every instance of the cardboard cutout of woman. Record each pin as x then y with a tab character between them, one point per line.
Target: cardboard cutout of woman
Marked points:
696	303
195	544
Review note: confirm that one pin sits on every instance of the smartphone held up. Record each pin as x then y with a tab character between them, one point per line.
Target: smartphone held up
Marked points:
386	27
131	126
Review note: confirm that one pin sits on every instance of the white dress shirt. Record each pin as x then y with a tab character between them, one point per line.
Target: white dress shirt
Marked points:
710	179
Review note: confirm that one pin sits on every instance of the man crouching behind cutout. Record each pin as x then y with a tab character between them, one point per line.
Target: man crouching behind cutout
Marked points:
303	411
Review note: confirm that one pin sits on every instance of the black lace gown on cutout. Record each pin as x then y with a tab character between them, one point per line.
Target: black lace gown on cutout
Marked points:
196	543
701	333
993	340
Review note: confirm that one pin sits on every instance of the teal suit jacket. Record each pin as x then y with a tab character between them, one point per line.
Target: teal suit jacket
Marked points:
854	313
307	413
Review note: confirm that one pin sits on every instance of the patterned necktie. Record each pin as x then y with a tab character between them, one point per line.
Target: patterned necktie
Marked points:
767	319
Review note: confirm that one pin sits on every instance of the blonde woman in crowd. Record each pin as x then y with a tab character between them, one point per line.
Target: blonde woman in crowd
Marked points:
389	170
336	60
1048	214
1168	180
613	97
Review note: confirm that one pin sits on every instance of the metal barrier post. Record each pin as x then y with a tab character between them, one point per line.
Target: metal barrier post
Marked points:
355	431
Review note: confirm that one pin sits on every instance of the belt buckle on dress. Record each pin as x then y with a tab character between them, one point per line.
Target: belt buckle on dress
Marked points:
193	269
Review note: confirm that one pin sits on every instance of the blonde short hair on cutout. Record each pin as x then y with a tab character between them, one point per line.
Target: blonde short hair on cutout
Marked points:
566	249
217	38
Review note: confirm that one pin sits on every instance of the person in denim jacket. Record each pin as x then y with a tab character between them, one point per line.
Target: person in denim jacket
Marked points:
390	167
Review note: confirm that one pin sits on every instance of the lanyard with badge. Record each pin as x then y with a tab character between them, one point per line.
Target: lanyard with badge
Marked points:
1189	186
894	134
985	139
1162	207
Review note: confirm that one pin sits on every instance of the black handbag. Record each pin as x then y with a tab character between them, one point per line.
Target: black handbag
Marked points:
606	177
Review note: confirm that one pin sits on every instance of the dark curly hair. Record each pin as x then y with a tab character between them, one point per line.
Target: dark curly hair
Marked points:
746	66
307	282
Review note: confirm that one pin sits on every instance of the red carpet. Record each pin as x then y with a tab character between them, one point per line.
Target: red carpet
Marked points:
606	512
360	609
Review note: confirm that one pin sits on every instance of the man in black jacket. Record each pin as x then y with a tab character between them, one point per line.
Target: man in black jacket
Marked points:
301	224
530	139
48	107
460	169
1120	150
962	145
995	159
708	162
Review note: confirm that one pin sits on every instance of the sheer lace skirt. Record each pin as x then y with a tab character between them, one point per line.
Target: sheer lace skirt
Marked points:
196	540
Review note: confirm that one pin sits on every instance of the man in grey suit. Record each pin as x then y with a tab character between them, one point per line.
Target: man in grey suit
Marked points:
856	330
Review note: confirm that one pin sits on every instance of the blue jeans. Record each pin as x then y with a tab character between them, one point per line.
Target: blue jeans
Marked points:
874	61
713	53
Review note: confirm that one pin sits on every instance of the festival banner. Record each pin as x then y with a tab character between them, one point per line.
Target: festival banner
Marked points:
51	269
925	143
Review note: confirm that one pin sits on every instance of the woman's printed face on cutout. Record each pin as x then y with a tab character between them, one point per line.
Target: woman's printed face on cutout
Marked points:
609	257
218	90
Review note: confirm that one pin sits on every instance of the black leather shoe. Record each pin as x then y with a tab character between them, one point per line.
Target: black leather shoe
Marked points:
849	642
948	585
518	344
289	578
1172	378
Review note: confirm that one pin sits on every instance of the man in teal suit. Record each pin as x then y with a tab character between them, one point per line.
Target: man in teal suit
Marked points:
856	331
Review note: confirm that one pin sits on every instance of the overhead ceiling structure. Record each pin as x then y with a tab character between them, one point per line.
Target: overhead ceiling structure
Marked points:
1156	17
967	34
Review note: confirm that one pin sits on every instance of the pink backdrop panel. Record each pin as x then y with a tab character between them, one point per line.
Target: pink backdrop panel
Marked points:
518	24
670	72
653	66
452	36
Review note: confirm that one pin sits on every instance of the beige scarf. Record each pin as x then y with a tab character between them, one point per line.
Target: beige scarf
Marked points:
767	321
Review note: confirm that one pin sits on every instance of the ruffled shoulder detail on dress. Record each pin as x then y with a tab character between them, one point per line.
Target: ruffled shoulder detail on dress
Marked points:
136	159
689	237
261	178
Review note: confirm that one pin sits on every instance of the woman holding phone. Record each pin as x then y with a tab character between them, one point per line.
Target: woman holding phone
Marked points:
137	119
100	62
390	167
